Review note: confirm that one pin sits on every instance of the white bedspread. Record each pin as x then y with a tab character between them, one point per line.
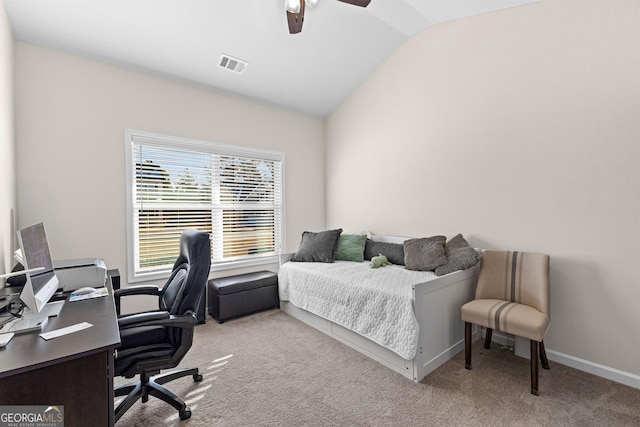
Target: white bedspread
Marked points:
374	302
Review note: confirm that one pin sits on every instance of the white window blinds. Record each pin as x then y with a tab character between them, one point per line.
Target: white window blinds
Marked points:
233	193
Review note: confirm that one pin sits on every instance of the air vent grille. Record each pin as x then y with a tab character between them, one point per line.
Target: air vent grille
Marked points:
233	64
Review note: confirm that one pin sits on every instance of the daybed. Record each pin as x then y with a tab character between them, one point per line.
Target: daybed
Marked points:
409	321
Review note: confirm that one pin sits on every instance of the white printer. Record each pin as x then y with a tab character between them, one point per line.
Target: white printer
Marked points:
77	273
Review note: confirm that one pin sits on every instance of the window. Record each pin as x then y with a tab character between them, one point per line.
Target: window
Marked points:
233	193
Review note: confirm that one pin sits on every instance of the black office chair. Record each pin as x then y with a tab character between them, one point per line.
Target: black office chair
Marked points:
156	340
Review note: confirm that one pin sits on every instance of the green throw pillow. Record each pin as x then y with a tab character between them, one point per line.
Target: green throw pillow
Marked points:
351	247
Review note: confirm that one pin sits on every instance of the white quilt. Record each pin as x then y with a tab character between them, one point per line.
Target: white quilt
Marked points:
377	303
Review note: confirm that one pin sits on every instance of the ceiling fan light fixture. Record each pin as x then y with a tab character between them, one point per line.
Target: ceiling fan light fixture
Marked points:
295	11
292	6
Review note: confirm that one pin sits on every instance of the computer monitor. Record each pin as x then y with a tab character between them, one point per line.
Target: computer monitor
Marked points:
41	284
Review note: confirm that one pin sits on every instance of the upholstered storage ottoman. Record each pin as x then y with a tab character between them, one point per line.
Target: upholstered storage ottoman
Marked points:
242	294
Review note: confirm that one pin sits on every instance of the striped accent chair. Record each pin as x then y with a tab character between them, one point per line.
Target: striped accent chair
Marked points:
512	296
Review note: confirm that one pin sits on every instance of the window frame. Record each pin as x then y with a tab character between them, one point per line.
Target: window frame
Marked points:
135	137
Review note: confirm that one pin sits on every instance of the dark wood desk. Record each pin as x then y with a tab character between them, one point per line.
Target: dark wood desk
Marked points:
74	370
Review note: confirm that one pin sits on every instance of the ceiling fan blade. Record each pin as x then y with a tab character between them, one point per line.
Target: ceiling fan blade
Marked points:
362	3
295	20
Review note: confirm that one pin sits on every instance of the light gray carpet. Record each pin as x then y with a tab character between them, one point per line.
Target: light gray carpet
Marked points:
269	369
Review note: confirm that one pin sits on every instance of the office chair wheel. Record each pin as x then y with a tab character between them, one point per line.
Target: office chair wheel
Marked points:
185	413
197	378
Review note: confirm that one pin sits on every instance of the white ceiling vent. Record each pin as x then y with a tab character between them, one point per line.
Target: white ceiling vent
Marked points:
232	64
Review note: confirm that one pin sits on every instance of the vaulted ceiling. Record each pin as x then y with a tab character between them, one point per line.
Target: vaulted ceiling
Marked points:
312	72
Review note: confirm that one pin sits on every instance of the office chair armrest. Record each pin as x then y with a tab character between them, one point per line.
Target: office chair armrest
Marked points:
157	318
137	290
134	290
186	320
148	317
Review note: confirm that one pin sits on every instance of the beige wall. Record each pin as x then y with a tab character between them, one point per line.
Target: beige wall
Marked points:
71	117
7	146
520	129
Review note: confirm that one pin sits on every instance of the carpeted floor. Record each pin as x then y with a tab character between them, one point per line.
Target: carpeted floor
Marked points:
269	369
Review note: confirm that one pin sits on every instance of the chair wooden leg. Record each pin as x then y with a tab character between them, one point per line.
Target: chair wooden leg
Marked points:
487	338
467	345
534	367
543	356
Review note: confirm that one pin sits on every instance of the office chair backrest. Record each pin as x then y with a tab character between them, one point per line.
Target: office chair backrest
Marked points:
187	282
521	277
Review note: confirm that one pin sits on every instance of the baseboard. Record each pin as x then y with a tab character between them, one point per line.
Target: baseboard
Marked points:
603	371
597	369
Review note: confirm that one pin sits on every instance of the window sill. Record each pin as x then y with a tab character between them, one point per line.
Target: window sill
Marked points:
217	266
230	265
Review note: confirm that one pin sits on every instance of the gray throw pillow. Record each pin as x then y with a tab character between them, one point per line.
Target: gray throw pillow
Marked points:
351	247
393	251
424	254
460	256
317	247
455	242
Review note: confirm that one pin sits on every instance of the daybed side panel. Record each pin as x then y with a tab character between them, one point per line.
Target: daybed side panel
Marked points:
437	308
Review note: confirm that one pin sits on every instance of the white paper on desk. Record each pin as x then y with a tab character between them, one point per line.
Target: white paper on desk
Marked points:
64	331
100	292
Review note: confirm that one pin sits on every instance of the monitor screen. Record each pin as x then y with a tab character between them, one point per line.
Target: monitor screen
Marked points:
42	284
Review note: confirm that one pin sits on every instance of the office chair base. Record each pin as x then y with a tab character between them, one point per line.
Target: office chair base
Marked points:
152	385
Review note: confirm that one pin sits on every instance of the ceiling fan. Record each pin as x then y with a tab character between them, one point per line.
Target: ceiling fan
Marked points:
295	11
